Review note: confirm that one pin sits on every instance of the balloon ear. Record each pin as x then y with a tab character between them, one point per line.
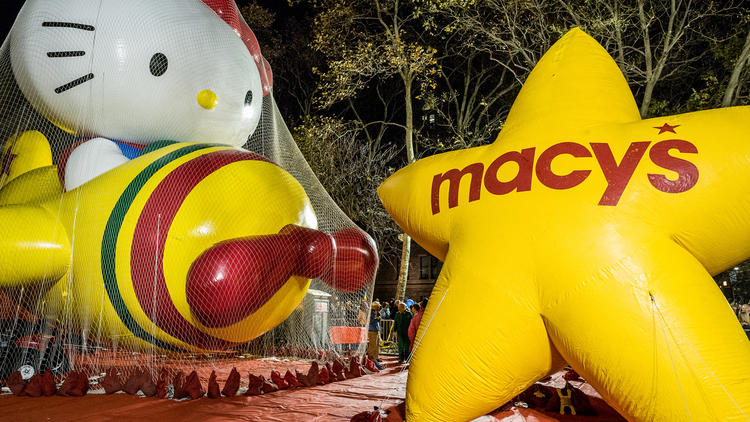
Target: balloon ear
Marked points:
227	10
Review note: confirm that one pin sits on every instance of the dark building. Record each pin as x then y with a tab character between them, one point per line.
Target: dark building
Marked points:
423	271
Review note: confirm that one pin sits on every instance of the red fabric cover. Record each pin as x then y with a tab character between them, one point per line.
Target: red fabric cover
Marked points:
179	386
537	396
213	387
311	379
302	379
571	375
232	384
193	386
48	384
579	400
331	375
16	383
530	415
355	370
111	381
370	365
82	387
333	402
162	385
374	416
583	404
323	377
396	413
361	417
268	386
133	384
291	379
276	378
338	369
76	384
553	405
314	373
329	403
34	387
147	385
255	386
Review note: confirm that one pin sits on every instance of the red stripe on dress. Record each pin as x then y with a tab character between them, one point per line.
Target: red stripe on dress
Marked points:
149	239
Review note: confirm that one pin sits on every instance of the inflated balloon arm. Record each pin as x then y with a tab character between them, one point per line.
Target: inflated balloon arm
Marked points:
34	247
24	152
233	279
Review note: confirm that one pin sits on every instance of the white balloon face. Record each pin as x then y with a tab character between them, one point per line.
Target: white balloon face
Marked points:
136	70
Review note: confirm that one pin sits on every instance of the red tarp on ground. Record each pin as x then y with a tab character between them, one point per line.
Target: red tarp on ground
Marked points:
513	414
604	412
337	401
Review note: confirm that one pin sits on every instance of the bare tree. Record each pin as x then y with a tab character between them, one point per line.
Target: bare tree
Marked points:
471	104
650	40
730	94
351	175
364	40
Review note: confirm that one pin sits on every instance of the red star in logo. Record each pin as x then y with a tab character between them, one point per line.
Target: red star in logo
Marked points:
666	128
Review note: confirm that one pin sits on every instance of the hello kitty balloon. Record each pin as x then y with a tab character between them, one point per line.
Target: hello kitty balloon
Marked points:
135	72
167	233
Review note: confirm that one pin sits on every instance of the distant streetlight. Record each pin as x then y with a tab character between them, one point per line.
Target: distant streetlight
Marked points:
725	283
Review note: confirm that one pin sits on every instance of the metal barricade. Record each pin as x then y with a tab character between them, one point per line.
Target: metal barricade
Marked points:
387	335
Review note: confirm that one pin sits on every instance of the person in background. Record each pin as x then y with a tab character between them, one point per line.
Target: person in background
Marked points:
402	321
362	313
745	314
394	311
414	324
385	311
373	332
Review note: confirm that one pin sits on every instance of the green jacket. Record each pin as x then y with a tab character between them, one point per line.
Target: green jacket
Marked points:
401	323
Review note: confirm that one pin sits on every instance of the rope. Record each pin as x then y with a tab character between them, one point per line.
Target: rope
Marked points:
390	394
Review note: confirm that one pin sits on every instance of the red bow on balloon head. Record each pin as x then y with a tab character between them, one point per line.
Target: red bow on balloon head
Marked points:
228	12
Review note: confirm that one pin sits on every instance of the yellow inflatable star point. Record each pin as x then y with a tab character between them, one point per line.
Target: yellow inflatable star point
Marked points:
585	235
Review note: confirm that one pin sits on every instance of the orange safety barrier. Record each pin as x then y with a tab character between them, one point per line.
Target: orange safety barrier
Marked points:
347	335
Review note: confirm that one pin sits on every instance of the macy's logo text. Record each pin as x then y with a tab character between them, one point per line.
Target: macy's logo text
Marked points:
617	175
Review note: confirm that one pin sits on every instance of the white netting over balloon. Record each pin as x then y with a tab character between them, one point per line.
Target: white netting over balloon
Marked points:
156	212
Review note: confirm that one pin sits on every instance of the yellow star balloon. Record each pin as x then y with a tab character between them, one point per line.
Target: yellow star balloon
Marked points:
585	235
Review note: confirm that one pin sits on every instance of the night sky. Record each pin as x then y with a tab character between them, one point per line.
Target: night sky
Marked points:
9	9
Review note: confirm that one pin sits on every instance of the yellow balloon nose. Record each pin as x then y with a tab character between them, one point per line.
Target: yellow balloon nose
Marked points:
208	99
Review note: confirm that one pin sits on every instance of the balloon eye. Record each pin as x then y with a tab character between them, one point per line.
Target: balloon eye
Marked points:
249	98
158	64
